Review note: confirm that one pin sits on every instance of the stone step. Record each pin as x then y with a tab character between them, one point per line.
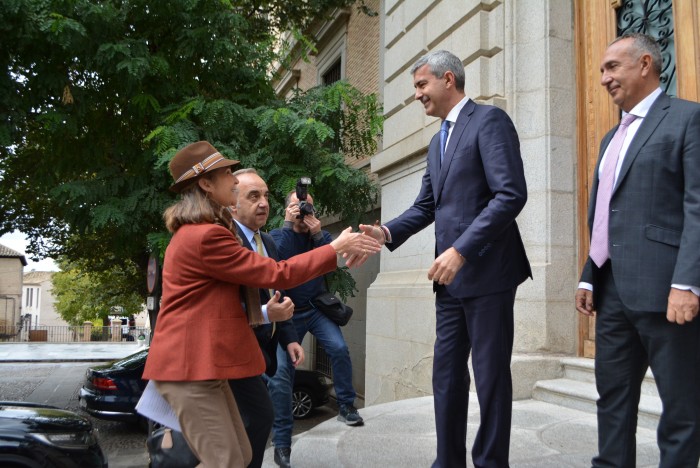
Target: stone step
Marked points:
583	369
582	396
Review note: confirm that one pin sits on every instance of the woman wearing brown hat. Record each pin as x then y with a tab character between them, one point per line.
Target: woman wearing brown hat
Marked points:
203	335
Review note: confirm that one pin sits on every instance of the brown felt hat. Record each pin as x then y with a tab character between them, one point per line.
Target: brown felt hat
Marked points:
193	161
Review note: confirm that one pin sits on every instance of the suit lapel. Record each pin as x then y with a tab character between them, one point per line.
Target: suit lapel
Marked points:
656	114
460	125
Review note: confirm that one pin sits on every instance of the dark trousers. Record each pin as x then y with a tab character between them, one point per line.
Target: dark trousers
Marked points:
627	343
484	327
255	407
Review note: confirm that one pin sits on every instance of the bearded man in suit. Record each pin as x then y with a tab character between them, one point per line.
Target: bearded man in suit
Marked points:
473	189
642	277
250	214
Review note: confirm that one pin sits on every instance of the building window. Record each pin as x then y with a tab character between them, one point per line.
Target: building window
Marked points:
656	20
332	74
31	297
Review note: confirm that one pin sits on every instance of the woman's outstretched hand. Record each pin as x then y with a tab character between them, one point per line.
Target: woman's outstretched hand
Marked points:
356	247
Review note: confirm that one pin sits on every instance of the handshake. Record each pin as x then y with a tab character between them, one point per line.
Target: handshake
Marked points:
356	247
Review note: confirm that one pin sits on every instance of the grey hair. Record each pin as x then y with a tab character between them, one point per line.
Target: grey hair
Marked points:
644	43
442	61
245	170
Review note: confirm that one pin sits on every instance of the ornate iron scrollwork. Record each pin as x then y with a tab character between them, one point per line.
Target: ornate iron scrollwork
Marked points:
653	17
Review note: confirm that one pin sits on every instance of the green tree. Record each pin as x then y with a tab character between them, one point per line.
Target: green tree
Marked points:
83	295
97	96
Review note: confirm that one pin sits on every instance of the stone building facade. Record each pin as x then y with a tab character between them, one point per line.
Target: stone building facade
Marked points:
38	299
346	48
11	265
517	56
539	61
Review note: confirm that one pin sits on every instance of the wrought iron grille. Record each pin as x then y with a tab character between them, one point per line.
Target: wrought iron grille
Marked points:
332	74
323	361
655	18
70	334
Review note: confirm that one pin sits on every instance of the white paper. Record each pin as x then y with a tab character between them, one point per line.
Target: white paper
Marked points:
153	406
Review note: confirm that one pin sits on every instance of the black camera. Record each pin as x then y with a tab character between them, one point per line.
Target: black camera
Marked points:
305	208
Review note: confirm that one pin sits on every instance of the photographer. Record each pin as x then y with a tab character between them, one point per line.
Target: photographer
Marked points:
301	233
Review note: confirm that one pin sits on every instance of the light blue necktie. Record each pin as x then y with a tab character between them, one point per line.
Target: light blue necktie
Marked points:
444	130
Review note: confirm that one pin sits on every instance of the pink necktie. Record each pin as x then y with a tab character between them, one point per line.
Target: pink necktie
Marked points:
599	252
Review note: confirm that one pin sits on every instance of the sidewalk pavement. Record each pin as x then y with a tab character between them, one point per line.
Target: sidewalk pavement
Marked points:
402	434
66	352
397	434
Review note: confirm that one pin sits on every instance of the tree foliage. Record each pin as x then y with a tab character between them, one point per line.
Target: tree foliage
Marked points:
83	295
97	96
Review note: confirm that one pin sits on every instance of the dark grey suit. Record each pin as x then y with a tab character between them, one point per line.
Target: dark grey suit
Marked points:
654	241
473	198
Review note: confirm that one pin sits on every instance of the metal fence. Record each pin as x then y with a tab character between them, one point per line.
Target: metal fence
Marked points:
72	334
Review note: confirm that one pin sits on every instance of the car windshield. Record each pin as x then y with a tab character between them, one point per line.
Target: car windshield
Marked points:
132	361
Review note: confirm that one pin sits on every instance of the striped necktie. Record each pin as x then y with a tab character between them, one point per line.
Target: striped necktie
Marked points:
259	247
251	297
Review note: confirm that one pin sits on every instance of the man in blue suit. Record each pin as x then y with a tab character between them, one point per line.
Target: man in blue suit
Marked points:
473	195
642	277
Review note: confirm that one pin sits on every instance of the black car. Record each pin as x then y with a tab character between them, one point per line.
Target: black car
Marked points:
34	435
310	391
111	391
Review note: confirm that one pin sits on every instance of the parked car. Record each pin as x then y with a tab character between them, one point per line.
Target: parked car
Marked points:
311	389
111	391
34	435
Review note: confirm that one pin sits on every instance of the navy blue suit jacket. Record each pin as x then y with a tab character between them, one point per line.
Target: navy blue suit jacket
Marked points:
474	199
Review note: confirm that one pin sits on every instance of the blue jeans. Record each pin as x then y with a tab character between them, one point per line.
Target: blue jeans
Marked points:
280	386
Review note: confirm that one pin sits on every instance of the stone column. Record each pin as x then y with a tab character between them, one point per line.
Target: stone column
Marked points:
116	329
87	331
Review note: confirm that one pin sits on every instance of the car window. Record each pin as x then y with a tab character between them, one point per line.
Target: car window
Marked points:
132	361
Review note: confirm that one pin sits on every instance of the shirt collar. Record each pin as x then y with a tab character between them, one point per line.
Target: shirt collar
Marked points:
642	108
454	113
247	232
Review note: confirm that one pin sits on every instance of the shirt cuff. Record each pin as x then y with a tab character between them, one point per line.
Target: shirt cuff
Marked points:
387	234
583	285
264	314
685	287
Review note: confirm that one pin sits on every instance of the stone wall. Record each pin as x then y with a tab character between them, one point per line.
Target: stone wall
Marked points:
518	56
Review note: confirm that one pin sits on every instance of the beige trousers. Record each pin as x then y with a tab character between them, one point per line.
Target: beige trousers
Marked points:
210	422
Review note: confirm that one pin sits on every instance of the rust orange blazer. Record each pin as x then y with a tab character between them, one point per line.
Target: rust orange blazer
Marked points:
202	332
